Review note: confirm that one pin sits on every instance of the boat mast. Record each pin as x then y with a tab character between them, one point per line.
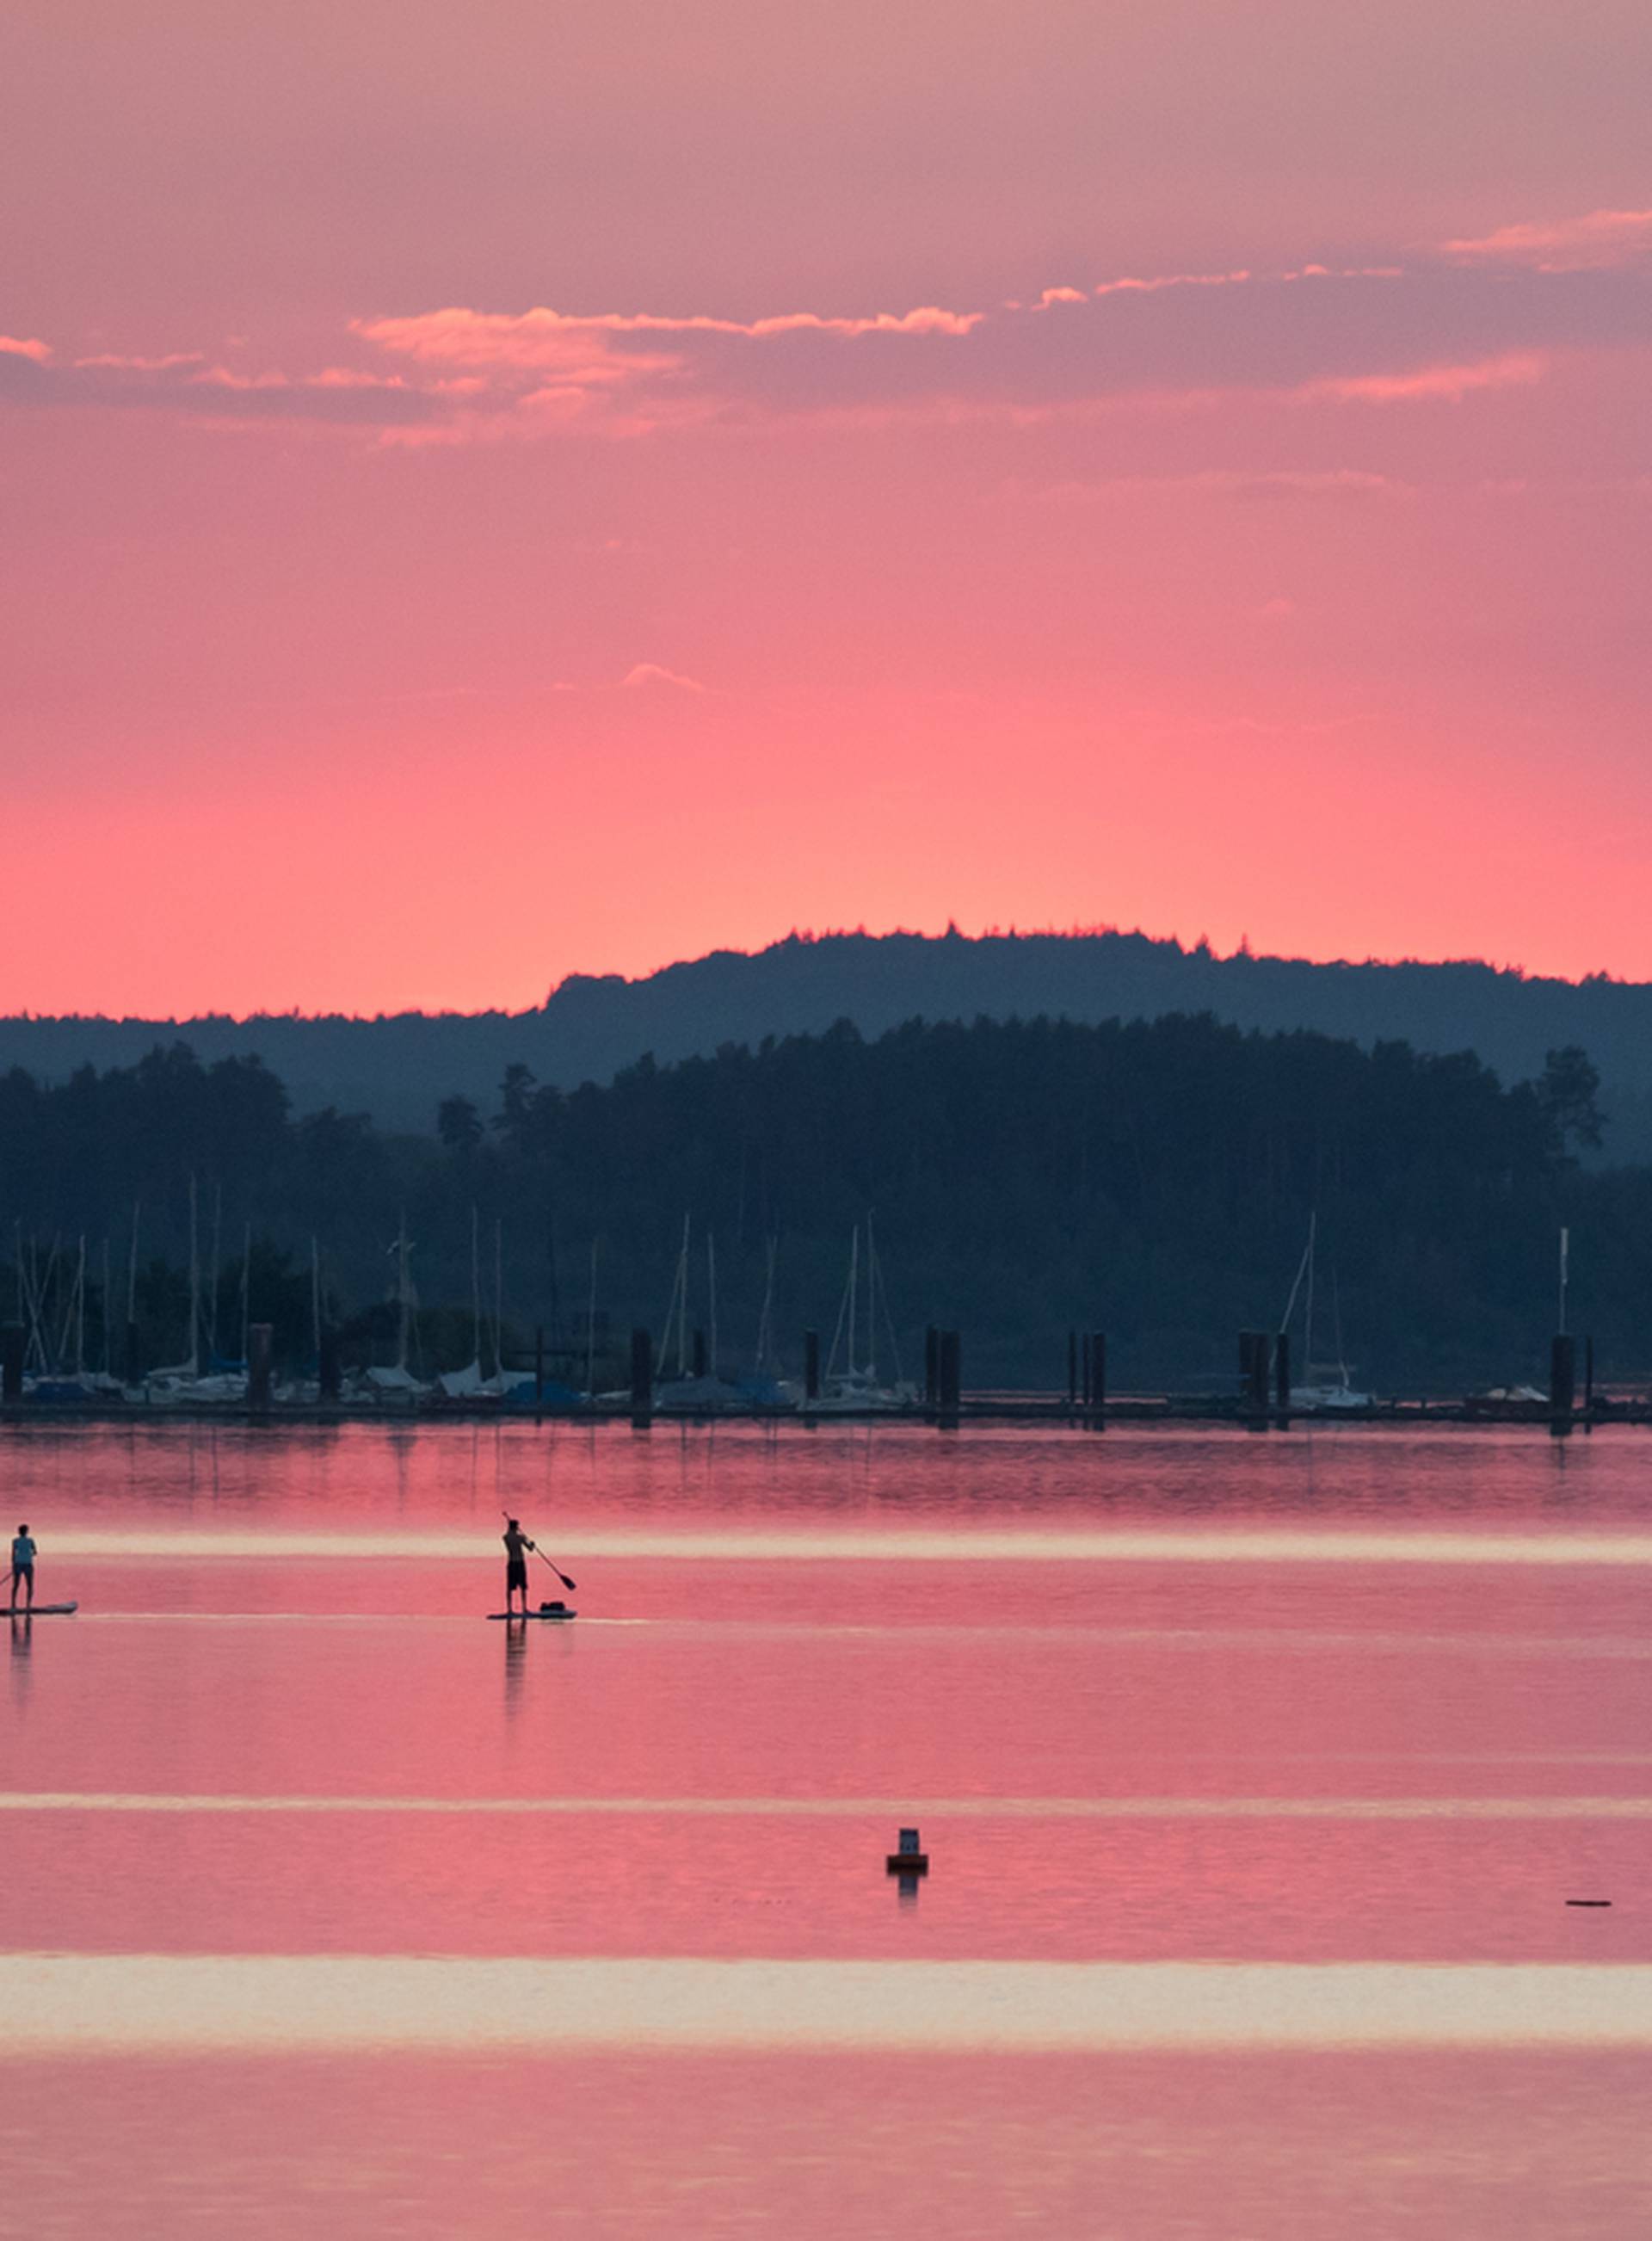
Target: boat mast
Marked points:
195	1284
476	1287
246	1299
218	1268
402	1292
591	1329
711	1280
871	1302
1565	1255
682	1304
498	1300
315	1295
1307	1326
854	1287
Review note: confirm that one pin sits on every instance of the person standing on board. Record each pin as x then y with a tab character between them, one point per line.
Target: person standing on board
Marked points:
517	1544
23	1567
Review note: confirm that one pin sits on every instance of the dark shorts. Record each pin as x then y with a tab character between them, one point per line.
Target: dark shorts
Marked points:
22	1574
516	1576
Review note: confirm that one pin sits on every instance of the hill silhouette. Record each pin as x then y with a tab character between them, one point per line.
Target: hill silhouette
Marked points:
399	1068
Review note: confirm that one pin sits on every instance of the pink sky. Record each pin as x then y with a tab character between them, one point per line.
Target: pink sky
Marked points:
495	491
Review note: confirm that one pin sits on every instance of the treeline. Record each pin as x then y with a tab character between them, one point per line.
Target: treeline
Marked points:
1153	1178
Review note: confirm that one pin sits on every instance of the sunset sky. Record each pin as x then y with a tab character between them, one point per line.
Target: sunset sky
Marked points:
493	490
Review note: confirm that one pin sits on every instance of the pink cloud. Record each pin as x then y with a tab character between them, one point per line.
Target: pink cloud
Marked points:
26	346
120	363
1603	238
649	675
565	340
1430	384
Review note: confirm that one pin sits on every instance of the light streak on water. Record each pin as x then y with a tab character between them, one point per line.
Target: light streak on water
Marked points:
1126	1545
122	2003
984	1808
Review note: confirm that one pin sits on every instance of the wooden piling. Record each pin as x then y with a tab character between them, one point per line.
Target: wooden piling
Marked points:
539	1368
1588	1376
12	1347
1562	1377
1252	1372
951	1362
260	1346
1282	1376
810	1365
1072	1370
642	1378
1097	1346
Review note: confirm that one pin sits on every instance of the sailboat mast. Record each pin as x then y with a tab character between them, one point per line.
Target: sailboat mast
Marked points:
315	1295
108	1315
711	1280
682	1304
1565	1255
217	1266
401	1290
854	1289
591	1329
195	1285
1307	1326
872	1301
246	1297
476	1286
498	1299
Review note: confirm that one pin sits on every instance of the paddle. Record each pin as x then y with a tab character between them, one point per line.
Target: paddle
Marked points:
571	1585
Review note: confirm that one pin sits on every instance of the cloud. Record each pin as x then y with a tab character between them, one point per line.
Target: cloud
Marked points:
1431	384
144	365
30	346
1447	330
1245	485
648	676
1599	241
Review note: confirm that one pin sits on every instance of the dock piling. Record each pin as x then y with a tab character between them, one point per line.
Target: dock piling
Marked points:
11	1345
642	1379
260	1344
810	1365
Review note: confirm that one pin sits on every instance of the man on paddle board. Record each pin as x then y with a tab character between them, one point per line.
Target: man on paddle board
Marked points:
517	1545
22	1568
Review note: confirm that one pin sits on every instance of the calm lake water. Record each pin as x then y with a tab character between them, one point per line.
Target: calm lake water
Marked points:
1255	1771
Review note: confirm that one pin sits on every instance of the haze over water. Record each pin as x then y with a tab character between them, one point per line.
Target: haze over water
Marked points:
1256	1772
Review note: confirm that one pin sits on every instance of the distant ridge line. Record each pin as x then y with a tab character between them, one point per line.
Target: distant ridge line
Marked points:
398	1067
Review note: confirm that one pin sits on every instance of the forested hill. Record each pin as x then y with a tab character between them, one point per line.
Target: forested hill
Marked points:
397	1069
1154	1180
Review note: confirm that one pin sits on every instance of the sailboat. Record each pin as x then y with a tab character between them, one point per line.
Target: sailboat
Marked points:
856	1389
694	1386
1331	1390
397	1382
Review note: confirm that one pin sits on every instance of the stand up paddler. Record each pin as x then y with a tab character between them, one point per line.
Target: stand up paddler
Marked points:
517	1545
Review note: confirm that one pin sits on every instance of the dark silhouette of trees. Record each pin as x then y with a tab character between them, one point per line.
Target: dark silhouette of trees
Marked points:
1155	1179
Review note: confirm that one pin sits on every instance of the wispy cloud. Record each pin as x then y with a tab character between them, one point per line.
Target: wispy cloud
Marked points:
1431	384
28	346
1599	241
649	676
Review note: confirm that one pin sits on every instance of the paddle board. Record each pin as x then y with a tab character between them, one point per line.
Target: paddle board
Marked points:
552	1610
44	1611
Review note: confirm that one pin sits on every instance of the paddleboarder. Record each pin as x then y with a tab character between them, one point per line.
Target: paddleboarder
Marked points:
517	1545
22	1568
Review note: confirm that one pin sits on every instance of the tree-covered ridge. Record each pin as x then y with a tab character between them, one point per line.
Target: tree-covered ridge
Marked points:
1152	1179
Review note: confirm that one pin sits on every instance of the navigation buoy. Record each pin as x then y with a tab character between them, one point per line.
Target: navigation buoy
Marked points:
908	1860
